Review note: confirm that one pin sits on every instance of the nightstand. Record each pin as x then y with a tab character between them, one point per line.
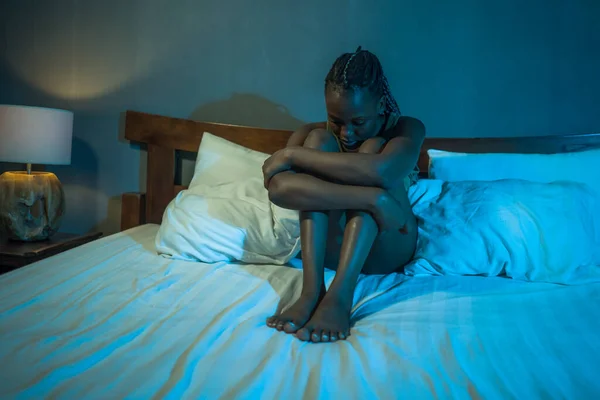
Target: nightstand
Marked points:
15	254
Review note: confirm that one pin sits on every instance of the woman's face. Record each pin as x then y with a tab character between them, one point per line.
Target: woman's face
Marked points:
354	115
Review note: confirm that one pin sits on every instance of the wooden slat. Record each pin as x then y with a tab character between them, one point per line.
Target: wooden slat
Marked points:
183	134
133	210
160	181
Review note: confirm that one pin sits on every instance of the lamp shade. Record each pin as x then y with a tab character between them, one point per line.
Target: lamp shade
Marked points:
35	135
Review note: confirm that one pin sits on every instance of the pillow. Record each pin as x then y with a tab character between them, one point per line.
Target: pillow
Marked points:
225	214
220	161
575	167
543	232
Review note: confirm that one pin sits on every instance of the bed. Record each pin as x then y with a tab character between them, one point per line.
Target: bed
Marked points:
113	319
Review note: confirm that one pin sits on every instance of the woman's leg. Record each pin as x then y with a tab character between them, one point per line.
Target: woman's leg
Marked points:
363	249
313	238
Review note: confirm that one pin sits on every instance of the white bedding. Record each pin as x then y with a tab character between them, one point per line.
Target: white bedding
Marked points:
528	231
114	320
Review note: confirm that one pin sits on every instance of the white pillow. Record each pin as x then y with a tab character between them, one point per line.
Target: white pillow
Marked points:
225	214
575	167
524	230
220	161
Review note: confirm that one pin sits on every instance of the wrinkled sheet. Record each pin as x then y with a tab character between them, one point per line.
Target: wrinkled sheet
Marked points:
112	319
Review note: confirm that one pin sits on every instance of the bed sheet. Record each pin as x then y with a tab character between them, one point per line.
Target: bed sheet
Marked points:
112	319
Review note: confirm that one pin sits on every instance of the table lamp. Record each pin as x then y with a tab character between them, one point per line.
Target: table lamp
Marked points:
32	203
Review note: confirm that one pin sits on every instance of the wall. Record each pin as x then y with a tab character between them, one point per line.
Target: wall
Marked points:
497	68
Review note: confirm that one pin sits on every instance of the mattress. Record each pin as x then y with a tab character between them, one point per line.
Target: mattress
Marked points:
112	319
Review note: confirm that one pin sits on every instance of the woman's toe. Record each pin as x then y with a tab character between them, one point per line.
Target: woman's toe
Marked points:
304	334
315	337
290	327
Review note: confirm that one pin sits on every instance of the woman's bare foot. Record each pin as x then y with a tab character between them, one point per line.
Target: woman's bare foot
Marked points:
296	316
330	322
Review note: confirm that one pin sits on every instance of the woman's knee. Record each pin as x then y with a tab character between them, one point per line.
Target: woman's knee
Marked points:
323	140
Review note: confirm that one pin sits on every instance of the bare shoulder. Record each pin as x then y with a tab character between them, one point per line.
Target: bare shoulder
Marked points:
411	128
405	138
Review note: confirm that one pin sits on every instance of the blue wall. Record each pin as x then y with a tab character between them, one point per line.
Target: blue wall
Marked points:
494	68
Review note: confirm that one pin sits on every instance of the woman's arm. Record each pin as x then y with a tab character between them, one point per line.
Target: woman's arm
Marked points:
384	170
304	192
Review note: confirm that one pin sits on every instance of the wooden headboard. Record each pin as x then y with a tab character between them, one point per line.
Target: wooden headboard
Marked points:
164	136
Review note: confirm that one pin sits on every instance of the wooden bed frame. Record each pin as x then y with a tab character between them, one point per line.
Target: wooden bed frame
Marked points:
164	136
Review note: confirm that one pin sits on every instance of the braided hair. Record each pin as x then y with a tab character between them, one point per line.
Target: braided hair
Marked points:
361	70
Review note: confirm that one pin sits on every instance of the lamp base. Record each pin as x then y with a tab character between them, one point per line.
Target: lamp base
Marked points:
31	205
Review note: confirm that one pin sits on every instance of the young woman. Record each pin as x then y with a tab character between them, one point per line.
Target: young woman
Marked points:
348	177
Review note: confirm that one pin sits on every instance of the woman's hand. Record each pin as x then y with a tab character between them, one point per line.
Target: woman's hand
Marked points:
280	161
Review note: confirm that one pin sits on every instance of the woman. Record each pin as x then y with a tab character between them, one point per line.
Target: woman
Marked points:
348	177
